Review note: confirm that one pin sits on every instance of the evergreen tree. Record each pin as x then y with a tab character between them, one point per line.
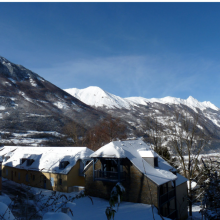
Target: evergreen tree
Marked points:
211	194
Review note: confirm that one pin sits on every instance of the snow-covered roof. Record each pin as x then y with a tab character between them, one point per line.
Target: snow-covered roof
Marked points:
133	150
180	179
46	159
147	153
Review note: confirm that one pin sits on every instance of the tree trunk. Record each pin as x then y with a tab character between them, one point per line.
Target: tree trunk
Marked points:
190	198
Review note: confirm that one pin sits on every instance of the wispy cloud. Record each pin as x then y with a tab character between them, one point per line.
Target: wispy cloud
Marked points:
147	76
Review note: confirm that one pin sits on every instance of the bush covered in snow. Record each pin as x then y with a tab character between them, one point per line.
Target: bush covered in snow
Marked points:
115	198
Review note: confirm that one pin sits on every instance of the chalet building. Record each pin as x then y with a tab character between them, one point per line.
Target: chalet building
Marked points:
146	177
54	168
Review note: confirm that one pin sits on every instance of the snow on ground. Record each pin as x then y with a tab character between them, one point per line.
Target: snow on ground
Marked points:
126	210
5	212
195	212
26	141
94	210
5	199
27	137
30	132
56	216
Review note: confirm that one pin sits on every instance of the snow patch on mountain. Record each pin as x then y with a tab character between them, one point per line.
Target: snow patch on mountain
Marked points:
33	83
61	105
95	96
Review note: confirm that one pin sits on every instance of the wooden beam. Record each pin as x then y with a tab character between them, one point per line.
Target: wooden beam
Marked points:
119	173
93	161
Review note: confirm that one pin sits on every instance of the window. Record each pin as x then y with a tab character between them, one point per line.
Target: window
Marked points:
60	182
0	173
19	176
33	177
6	158
6	172
63	164
29	162
15	173
22	160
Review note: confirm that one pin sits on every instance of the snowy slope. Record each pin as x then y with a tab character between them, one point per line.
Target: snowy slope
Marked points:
97	97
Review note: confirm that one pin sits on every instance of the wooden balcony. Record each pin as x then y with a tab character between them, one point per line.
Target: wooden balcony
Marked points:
167	196
109	176
169	213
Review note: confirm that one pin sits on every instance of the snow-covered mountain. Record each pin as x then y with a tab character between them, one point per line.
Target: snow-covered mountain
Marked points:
97	97
29	105
134	109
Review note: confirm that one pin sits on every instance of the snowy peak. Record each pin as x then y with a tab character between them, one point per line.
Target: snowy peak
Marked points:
95	96
190	102
3	60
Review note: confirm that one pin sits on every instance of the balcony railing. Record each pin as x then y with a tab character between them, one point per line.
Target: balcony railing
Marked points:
109	175
169	213
167	196
172	214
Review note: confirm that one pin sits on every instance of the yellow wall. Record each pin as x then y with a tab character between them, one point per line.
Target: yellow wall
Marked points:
71	179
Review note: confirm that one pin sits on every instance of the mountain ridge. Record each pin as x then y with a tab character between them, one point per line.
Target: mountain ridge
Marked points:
86	95
28	102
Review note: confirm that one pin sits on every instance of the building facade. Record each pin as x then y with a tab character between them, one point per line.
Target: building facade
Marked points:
53	168
146	177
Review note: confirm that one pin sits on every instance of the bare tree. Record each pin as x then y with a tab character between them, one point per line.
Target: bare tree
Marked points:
107	130
188	141
73	133
156	136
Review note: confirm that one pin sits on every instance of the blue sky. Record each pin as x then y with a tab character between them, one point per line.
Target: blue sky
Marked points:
128	49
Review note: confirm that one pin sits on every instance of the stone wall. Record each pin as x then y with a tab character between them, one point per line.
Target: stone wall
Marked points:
137	186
